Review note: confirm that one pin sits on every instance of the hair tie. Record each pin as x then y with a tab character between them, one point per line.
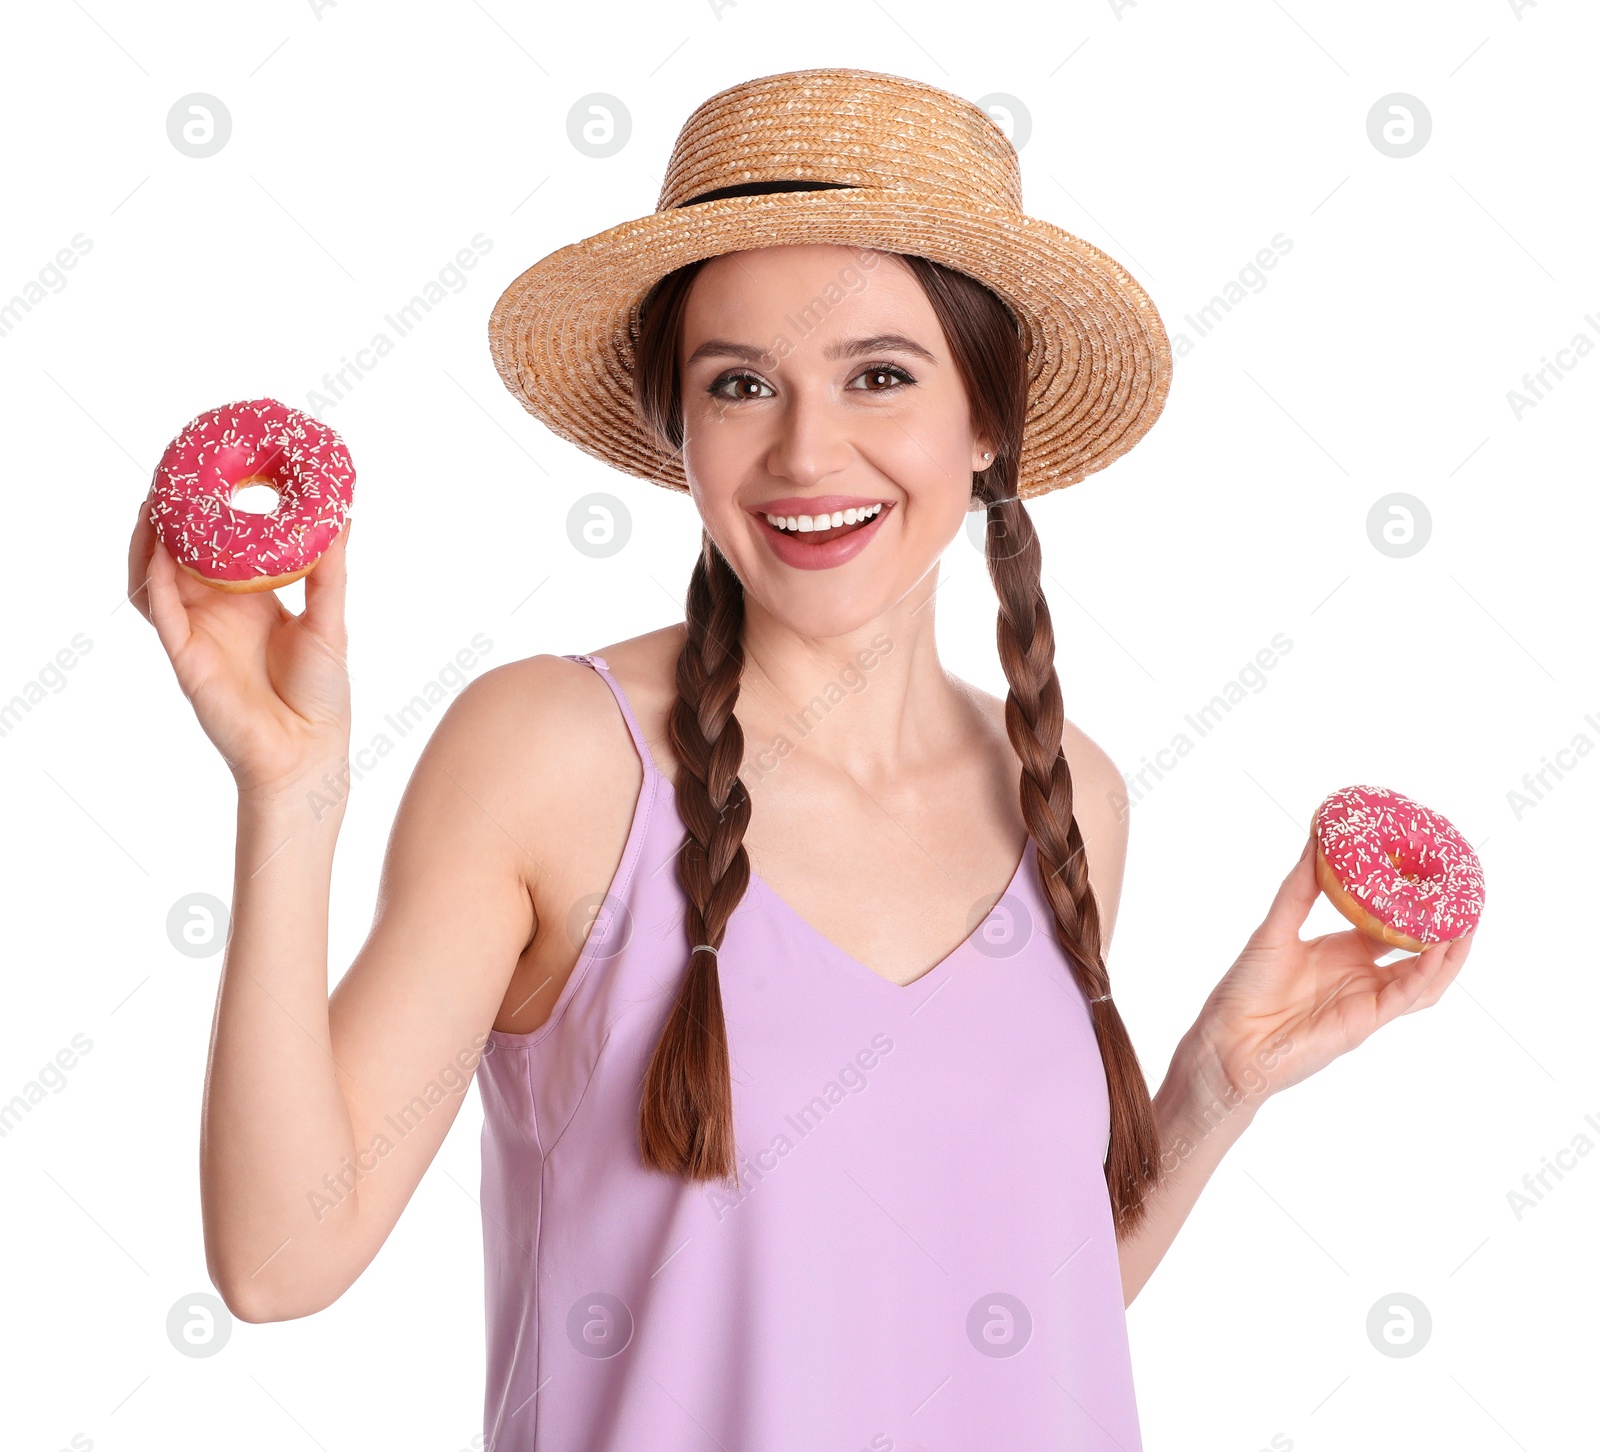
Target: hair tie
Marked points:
1012	500
1101	999
703	948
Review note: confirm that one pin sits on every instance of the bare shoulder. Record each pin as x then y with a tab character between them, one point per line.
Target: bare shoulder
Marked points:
1097	785
549	695
526	725
540	745
1098	804
556	719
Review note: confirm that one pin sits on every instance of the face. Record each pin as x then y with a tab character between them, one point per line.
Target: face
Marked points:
816	381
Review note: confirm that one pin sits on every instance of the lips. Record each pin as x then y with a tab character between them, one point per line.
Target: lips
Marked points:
819	548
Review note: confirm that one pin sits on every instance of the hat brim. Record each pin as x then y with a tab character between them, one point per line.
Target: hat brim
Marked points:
1099	361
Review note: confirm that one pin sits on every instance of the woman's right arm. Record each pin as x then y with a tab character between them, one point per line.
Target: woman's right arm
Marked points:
320	1118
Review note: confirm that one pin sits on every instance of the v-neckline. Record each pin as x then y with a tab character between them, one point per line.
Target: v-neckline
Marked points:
783	904
938	969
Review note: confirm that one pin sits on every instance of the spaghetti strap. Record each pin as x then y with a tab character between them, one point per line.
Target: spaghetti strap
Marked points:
602	670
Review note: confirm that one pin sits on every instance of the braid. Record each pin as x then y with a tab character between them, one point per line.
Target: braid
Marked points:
1034	723
686	1117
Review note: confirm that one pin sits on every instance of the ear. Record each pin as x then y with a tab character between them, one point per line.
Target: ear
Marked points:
982	455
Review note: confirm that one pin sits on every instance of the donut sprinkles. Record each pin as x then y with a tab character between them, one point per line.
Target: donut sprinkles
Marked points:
1395	869
254	441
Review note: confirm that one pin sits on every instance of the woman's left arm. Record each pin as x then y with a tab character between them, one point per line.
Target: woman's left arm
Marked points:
1286	1008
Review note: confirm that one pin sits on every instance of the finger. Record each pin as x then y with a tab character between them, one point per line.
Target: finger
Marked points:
1443	972
325	590
1292	904
144	535
167	611
1419	980
1403	983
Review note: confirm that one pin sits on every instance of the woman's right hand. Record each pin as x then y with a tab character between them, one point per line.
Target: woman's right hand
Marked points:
269	687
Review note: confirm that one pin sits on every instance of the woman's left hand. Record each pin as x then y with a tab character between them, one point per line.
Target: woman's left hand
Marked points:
1289	1006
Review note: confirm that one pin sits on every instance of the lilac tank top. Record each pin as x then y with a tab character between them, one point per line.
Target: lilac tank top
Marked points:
919	1253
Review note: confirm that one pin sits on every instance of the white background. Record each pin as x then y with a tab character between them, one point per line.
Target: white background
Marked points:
368	146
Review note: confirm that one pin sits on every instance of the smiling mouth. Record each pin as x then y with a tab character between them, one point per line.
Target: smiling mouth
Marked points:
820	528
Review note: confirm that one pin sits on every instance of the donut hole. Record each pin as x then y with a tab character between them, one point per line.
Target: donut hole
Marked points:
1410	863
253	496
1400	870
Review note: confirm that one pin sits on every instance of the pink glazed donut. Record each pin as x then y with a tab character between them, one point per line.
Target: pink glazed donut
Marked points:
260	441
1399	872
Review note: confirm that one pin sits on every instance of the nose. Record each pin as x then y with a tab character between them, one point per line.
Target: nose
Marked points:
810	441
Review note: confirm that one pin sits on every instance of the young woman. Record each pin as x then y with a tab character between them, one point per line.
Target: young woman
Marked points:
810	1119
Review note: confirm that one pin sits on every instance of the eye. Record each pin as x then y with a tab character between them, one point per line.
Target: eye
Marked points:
744	380
876	371
886	377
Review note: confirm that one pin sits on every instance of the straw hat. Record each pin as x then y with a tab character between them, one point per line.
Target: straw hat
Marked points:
857	158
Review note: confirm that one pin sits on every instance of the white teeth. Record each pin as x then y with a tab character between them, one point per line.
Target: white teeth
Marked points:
806	523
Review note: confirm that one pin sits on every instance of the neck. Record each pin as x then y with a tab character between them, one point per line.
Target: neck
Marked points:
874	703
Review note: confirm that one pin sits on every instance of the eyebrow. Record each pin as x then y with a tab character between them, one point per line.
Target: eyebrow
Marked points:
849	348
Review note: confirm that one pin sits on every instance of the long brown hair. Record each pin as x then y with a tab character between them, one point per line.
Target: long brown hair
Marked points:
686	1116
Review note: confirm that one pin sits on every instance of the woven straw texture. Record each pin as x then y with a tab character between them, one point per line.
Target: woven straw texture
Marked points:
924	172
